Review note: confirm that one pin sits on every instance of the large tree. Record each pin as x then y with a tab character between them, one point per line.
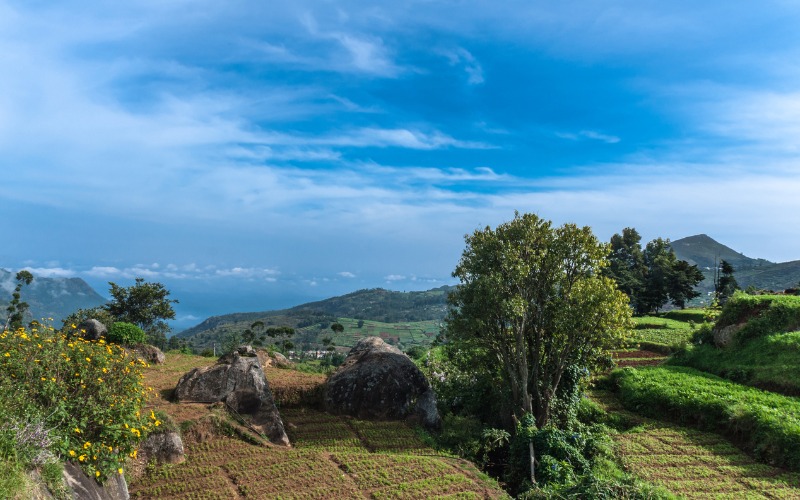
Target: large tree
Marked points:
724	283
533	296
146	305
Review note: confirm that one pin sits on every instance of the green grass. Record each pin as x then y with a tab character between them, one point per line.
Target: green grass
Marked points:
674	327
765	424
770	362
763	314
406	334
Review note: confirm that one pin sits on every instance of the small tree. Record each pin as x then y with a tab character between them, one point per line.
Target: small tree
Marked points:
145	305
725	283
17	308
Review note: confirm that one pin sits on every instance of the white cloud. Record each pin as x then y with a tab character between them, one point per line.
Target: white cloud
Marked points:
588	134
346	274
461	56
52	272
394	277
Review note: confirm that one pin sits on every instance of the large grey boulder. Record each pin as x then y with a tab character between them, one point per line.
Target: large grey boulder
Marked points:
238	380
378	381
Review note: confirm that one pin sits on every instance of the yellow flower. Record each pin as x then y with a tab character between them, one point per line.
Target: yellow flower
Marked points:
88	360
72	453
119	470
97	473
77	431
44	378
82	458
7	355
87	444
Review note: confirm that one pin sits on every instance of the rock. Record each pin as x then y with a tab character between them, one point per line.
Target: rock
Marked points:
164	447
725	336
275	359
238	380
378	381
82	487
150	354
91	329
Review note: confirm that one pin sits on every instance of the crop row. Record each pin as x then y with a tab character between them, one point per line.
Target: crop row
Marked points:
216	482
426	488
767	424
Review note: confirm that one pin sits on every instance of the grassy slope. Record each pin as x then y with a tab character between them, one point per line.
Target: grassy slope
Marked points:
766	352
332	457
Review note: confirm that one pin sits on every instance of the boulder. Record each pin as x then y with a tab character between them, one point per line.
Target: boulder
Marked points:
238	380
163	447
275	359
723	337
91	329
82	487
150	354
378	381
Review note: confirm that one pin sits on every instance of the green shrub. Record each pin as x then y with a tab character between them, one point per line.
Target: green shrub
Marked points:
765	424
126	334
87	395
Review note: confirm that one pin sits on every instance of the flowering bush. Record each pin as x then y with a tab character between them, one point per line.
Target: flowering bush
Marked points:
88	394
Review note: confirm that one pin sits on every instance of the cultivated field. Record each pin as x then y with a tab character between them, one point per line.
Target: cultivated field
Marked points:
331	457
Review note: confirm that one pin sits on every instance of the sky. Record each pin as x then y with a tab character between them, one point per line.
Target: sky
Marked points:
255	155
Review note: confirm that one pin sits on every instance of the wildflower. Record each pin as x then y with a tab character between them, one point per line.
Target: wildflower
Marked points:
72	453
88	359
119	470
82	458
7	355
97	473
77	431
87	444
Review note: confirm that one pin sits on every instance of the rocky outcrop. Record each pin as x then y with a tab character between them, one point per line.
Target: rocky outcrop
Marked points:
91	329
150	354
725	336
238	380
82	487
378	381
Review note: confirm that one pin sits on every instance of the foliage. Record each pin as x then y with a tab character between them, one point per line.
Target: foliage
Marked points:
126	333
764	314
766	424
88	395
724	283
17	308
652	276
145	305
531	296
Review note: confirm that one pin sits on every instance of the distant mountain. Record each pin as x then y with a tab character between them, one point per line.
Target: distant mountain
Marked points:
704	251
53	298
375	304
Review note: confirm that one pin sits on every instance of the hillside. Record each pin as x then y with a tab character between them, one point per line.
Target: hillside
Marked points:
50	297
704	251
417	311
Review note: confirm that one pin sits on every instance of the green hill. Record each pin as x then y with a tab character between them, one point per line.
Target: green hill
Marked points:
403	318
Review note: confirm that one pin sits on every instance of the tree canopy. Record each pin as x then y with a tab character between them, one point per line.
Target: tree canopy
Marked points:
145	305
653	276
534	297
17	308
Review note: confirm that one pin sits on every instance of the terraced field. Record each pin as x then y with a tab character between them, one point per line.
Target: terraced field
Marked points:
331	457
692	463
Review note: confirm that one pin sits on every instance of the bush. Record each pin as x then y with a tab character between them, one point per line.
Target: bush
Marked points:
88	396
126	334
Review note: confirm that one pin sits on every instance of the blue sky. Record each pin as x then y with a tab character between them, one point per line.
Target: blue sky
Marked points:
254	155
